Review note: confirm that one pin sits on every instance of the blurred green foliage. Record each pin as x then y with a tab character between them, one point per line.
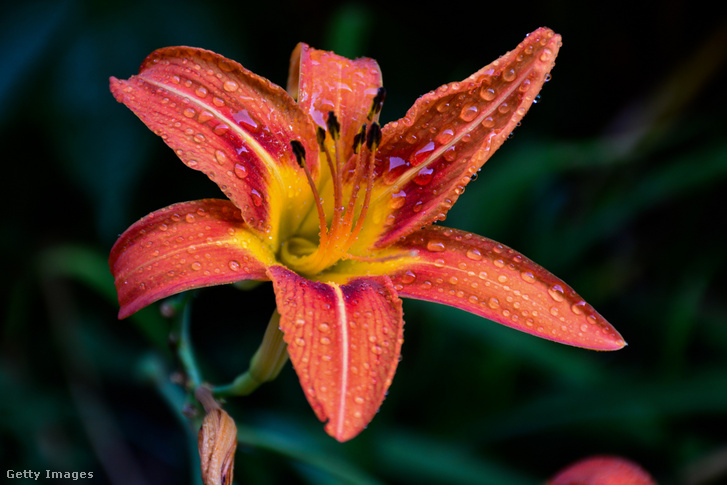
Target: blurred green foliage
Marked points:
615	182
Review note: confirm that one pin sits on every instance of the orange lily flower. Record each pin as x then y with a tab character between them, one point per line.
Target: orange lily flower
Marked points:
337	212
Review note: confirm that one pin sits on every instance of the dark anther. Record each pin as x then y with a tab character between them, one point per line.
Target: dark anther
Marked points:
359	138
373	138
321	137
377	103
334	128
298	151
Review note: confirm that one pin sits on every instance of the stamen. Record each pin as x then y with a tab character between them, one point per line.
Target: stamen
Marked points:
377	103
358	175
321	137
299	152
334	127
359	139
372	143
373	138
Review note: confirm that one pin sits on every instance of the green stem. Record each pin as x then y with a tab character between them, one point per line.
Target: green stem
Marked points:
265	365
181	327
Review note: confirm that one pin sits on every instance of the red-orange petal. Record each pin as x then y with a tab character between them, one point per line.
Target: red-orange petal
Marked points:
603	470
231	124
185	246
322	81
429	156
484	277
344	342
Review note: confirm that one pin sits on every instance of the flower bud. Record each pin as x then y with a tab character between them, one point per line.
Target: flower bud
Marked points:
217	441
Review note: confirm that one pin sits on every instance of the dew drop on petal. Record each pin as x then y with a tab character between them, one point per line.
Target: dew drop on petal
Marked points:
240	171
257	199
469	112
556	293
436	246
474	254
424	176
408	277
509	75
220	156
488	94
578	308
527	276
230	86
234	265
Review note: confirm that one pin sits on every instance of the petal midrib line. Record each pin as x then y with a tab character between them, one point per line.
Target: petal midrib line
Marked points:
342	321
256	147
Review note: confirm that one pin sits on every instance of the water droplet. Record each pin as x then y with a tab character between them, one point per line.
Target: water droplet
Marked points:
436	246
300	341
578	308
424	176
556	293
234	265
488	94
240	171
325	341
230	86
546	55
220	156
503	108
408	277
218	101
469	112
421	154
502	278
220	129
584	328
474	254
189	113
499	263
445	136
554	311
198	138
324	327
397	200
242	117
201	91
205	116
396	167
376	349
439	263
527	276
257	199
359	400
196	266
189	218
493	303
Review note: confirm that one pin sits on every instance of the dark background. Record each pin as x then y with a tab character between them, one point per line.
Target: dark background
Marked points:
615	182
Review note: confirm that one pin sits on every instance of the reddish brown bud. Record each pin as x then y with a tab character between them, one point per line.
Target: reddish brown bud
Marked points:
217	441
